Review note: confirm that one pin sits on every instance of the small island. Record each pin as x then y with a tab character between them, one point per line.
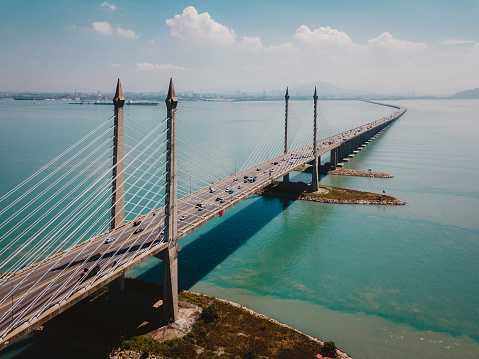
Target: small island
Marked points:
327	194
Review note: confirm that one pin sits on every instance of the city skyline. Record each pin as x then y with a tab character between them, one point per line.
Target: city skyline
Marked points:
431	48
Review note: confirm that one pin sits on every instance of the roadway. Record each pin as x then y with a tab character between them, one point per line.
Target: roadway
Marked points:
54	282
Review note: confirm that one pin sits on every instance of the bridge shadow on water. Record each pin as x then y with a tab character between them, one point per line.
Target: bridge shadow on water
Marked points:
198	258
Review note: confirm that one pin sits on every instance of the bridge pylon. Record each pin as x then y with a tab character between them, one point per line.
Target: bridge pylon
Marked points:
286	132
118	177
170	254
315	182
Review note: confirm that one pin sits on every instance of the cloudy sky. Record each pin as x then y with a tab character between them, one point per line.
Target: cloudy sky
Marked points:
426	46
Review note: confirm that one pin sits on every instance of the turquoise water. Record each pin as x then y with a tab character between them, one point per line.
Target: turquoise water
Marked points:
380	281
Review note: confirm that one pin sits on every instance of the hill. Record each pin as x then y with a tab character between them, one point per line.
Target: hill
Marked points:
467	94
325	89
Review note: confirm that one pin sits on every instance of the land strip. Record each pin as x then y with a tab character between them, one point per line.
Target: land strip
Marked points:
128	326
359	173
327	194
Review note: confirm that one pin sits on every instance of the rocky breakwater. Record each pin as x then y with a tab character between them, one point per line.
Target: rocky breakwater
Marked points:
358	173
328	194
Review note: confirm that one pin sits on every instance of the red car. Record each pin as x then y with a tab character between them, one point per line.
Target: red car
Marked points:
136	223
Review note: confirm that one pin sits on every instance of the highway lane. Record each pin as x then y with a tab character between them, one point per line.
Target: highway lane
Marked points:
59	277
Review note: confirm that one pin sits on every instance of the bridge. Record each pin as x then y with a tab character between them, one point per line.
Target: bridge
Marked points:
55	263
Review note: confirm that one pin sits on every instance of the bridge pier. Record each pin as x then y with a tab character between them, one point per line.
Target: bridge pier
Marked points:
286	133
315	181
170	255
118	177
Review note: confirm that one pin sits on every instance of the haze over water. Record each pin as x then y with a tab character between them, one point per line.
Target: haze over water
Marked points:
379	281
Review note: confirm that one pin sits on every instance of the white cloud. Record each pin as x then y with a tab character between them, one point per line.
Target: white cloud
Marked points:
200	28
145	66
102	27
115	65
129	34
33	62
453	42
111	6
251	44
321	36
106	28
386	41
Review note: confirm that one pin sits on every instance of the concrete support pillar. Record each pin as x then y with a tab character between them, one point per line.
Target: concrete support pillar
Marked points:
334	158
286	133
315	181
117	286
170	255
117	217
118	179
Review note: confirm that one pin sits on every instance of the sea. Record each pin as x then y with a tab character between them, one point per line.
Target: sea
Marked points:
380	281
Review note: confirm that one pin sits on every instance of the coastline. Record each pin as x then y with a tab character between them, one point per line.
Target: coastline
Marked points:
325	194
115	328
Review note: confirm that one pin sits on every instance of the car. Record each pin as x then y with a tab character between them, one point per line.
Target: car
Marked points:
222	200
162	230
202	207
212	189
275	163
235	179
240	186
183	217
138	230
109	240
258	169
246	180
230	191
219	198
88	273
245	177
198	205
136	223
227	190
271	170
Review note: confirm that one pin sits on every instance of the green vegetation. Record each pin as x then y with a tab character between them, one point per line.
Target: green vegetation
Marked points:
227	331
302	190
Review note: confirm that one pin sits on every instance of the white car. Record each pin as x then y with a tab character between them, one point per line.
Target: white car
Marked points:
227	190
109	240
183	217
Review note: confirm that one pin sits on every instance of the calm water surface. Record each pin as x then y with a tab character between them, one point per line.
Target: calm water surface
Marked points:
380	281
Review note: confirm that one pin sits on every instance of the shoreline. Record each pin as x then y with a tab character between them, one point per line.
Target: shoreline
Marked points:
115	329
326	194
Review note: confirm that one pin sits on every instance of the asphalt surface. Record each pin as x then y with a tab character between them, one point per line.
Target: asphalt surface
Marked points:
37	288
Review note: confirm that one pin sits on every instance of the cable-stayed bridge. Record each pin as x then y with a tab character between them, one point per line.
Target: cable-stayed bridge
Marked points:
81	222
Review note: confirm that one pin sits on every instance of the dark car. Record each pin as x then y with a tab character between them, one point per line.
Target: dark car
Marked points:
138	230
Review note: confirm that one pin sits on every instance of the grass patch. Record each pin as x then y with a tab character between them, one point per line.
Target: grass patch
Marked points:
302	190
235	331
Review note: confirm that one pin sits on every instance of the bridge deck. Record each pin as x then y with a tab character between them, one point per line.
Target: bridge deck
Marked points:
46	289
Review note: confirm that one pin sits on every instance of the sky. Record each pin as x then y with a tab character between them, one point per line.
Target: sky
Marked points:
430	47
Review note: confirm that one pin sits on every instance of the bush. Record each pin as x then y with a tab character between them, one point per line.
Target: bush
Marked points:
249	355
210	314
329	349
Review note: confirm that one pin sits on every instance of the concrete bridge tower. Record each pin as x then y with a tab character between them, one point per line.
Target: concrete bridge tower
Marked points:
286	133
117	217
170	254
118	177
315	181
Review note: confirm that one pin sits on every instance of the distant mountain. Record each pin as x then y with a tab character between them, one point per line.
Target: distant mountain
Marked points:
325	89
467	94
